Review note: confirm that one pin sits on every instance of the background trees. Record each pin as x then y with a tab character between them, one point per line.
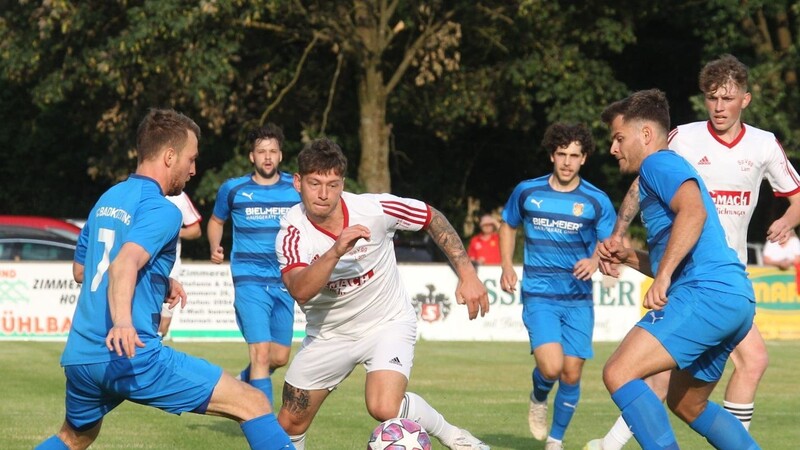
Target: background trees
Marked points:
441	100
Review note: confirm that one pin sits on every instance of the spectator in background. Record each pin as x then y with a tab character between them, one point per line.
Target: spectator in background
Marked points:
484	248
190	229
784	255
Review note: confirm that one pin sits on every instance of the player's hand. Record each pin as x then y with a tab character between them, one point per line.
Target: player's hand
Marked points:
585	268
779	231
508	280
217	255
123	339
176	294
612	251
656	297
348	237
472	292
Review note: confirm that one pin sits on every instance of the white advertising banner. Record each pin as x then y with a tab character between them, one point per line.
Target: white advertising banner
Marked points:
38	300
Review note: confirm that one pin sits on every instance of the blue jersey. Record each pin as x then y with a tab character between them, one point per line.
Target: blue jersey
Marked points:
256	211
561	228
660	176
132	211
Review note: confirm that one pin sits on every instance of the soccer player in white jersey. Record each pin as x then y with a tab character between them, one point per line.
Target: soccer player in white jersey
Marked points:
190	229
732	158
337	261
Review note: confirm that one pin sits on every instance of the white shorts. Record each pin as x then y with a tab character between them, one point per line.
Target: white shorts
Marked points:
324	363
165	311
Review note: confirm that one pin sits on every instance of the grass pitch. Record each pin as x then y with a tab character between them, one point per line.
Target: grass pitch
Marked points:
481	386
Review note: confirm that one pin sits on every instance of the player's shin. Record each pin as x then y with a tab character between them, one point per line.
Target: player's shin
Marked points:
645	414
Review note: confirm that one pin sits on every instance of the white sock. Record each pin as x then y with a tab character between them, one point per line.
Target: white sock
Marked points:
742	411
417	409
299	441
617	436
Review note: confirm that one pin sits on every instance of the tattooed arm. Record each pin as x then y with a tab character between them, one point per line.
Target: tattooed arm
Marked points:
470	290
627	211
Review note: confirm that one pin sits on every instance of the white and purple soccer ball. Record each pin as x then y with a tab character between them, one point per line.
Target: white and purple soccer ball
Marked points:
399	434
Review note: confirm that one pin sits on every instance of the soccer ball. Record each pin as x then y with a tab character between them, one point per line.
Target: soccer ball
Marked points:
399	434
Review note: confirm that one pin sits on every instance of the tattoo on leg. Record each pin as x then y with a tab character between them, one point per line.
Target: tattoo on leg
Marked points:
295	400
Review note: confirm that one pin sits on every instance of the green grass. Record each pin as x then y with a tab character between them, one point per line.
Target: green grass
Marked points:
481	386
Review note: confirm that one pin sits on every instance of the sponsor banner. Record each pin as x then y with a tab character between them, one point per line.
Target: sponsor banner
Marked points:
38	300
777	302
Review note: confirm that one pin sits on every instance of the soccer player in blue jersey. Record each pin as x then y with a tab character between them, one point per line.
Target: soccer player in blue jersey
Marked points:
124	257
563	217
255	203
701	302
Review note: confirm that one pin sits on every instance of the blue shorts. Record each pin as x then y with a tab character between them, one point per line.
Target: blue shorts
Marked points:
264	313
700	327
163	378
570	326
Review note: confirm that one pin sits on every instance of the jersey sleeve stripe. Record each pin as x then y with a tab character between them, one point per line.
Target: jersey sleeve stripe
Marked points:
290	246
293	266
789	167
403	211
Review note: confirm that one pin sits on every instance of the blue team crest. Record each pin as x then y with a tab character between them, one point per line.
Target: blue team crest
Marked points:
577	209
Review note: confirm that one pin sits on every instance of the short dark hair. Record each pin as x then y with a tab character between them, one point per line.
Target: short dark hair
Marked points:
718	72
163	127
560	135
649	105
322	156
268	131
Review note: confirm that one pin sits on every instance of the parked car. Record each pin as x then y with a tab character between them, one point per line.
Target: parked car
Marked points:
32	238
50	224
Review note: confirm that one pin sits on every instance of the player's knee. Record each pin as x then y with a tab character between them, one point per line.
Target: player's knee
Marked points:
383	409
686	411
252	402
613	378
293	424
550	370
279	360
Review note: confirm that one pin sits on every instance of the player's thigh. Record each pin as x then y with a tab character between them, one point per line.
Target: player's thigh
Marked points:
389	346
720	326
543	322
576	331
86	400
639	355
253	310
171	381
751	351
322	363
281	320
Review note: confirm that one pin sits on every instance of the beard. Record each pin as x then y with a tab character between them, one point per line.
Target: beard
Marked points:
266	174
176	187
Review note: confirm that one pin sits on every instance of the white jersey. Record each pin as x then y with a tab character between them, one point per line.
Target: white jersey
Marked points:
365	289
190	217
733	172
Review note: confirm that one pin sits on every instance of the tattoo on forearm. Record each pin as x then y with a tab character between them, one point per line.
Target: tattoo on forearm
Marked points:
447	239
295	400
627	210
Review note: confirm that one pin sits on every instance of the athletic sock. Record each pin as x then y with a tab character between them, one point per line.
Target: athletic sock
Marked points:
244	375
541	386
52	443
264	385
299	441
644	412
742	411
567	397
417	409
264	433
617	436
722	430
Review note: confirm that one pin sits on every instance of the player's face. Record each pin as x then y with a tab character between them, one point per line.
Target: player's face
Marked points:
626	145
265	158
725	106
320	193
184	166
567	162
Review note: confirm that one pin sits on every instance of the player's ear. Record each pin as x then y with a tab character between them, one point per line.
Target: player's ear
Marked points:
296	181
170	156
251	158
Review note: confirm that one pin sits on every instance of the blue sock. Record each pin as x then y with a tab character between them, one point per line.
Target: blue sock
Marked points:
52	443
541	385
644	413
566	401
244	375
722	430
264	433
264	385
